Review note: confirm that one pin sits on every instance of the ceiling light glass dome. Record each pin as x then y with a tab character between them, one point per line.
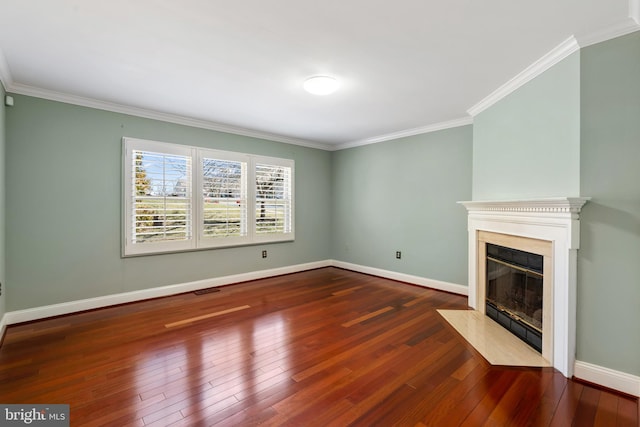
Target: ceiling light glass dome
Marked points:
321	85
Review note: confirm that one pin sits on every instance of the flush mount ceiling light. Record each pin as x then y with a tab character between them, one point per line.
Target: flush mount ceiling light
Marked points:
321	85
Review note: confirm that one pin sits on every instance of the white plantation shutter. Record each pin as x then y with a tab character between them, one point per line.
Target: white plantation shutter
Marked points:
273	186
162	197
180	198
224	197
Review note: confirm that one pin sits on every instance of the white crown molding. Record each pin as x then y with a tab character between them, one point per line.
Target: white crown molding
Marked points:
556	55
615	380
22	89
5	73
618	29
36	92
463	121
560	52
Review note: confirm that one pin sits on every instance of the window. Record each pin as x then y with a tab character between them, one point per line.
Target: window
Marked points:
273	198
180	198
224	198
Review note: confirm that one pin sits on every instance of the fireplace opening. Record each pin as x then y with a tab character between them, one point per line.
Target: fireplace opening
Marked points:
514	286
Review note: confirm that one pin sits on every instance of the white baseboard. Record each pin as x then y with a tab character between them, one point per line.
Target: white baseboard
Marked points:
402	277
30	314
3	325
615	380
36	313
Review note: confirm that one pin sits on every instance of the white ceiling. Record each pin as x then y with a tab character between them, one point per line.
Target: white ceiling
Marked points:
404	65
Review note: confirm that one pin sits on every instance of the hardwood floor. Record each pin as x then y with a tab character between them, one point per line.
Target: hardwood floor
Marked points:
327	347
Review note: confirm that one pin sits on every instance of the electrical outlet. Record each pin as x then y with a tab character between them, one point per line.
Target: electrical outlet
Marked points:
264	254
398	254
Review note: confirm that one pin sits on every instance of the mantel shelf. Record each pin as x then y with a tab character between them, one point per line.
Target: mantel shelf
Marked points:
553	204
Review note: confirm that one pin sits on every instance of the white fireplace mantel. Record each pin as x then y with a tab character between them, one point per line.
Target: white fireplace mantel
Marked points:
552	219
566	205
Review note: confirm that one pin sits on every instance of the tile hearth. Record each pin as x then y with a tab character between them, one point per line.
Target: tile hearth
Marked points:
496	344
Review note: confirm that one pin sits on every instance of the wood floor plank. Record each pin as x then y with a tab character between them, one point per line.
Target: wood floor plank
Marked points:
458	404
344	393
346	291
566	409
367	317
607	410
321	347
490	398
628	413
587	406
206	316
547	403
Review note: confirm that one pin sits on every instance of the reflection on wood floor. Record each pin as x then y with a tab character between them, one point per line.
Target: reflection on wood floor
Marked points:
323	347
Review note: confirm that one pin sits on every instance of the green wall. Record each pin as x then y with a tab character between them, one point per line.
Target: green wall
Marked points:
401	195
63	206
3	274
609	257
528	144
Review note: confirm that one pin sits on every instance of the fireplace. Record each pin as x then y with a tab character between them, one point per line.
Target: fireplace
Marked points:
549	228
514	292
501	258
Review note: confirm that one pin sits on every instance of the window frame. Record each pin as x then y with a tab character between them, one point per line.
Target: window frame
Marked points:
198	240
